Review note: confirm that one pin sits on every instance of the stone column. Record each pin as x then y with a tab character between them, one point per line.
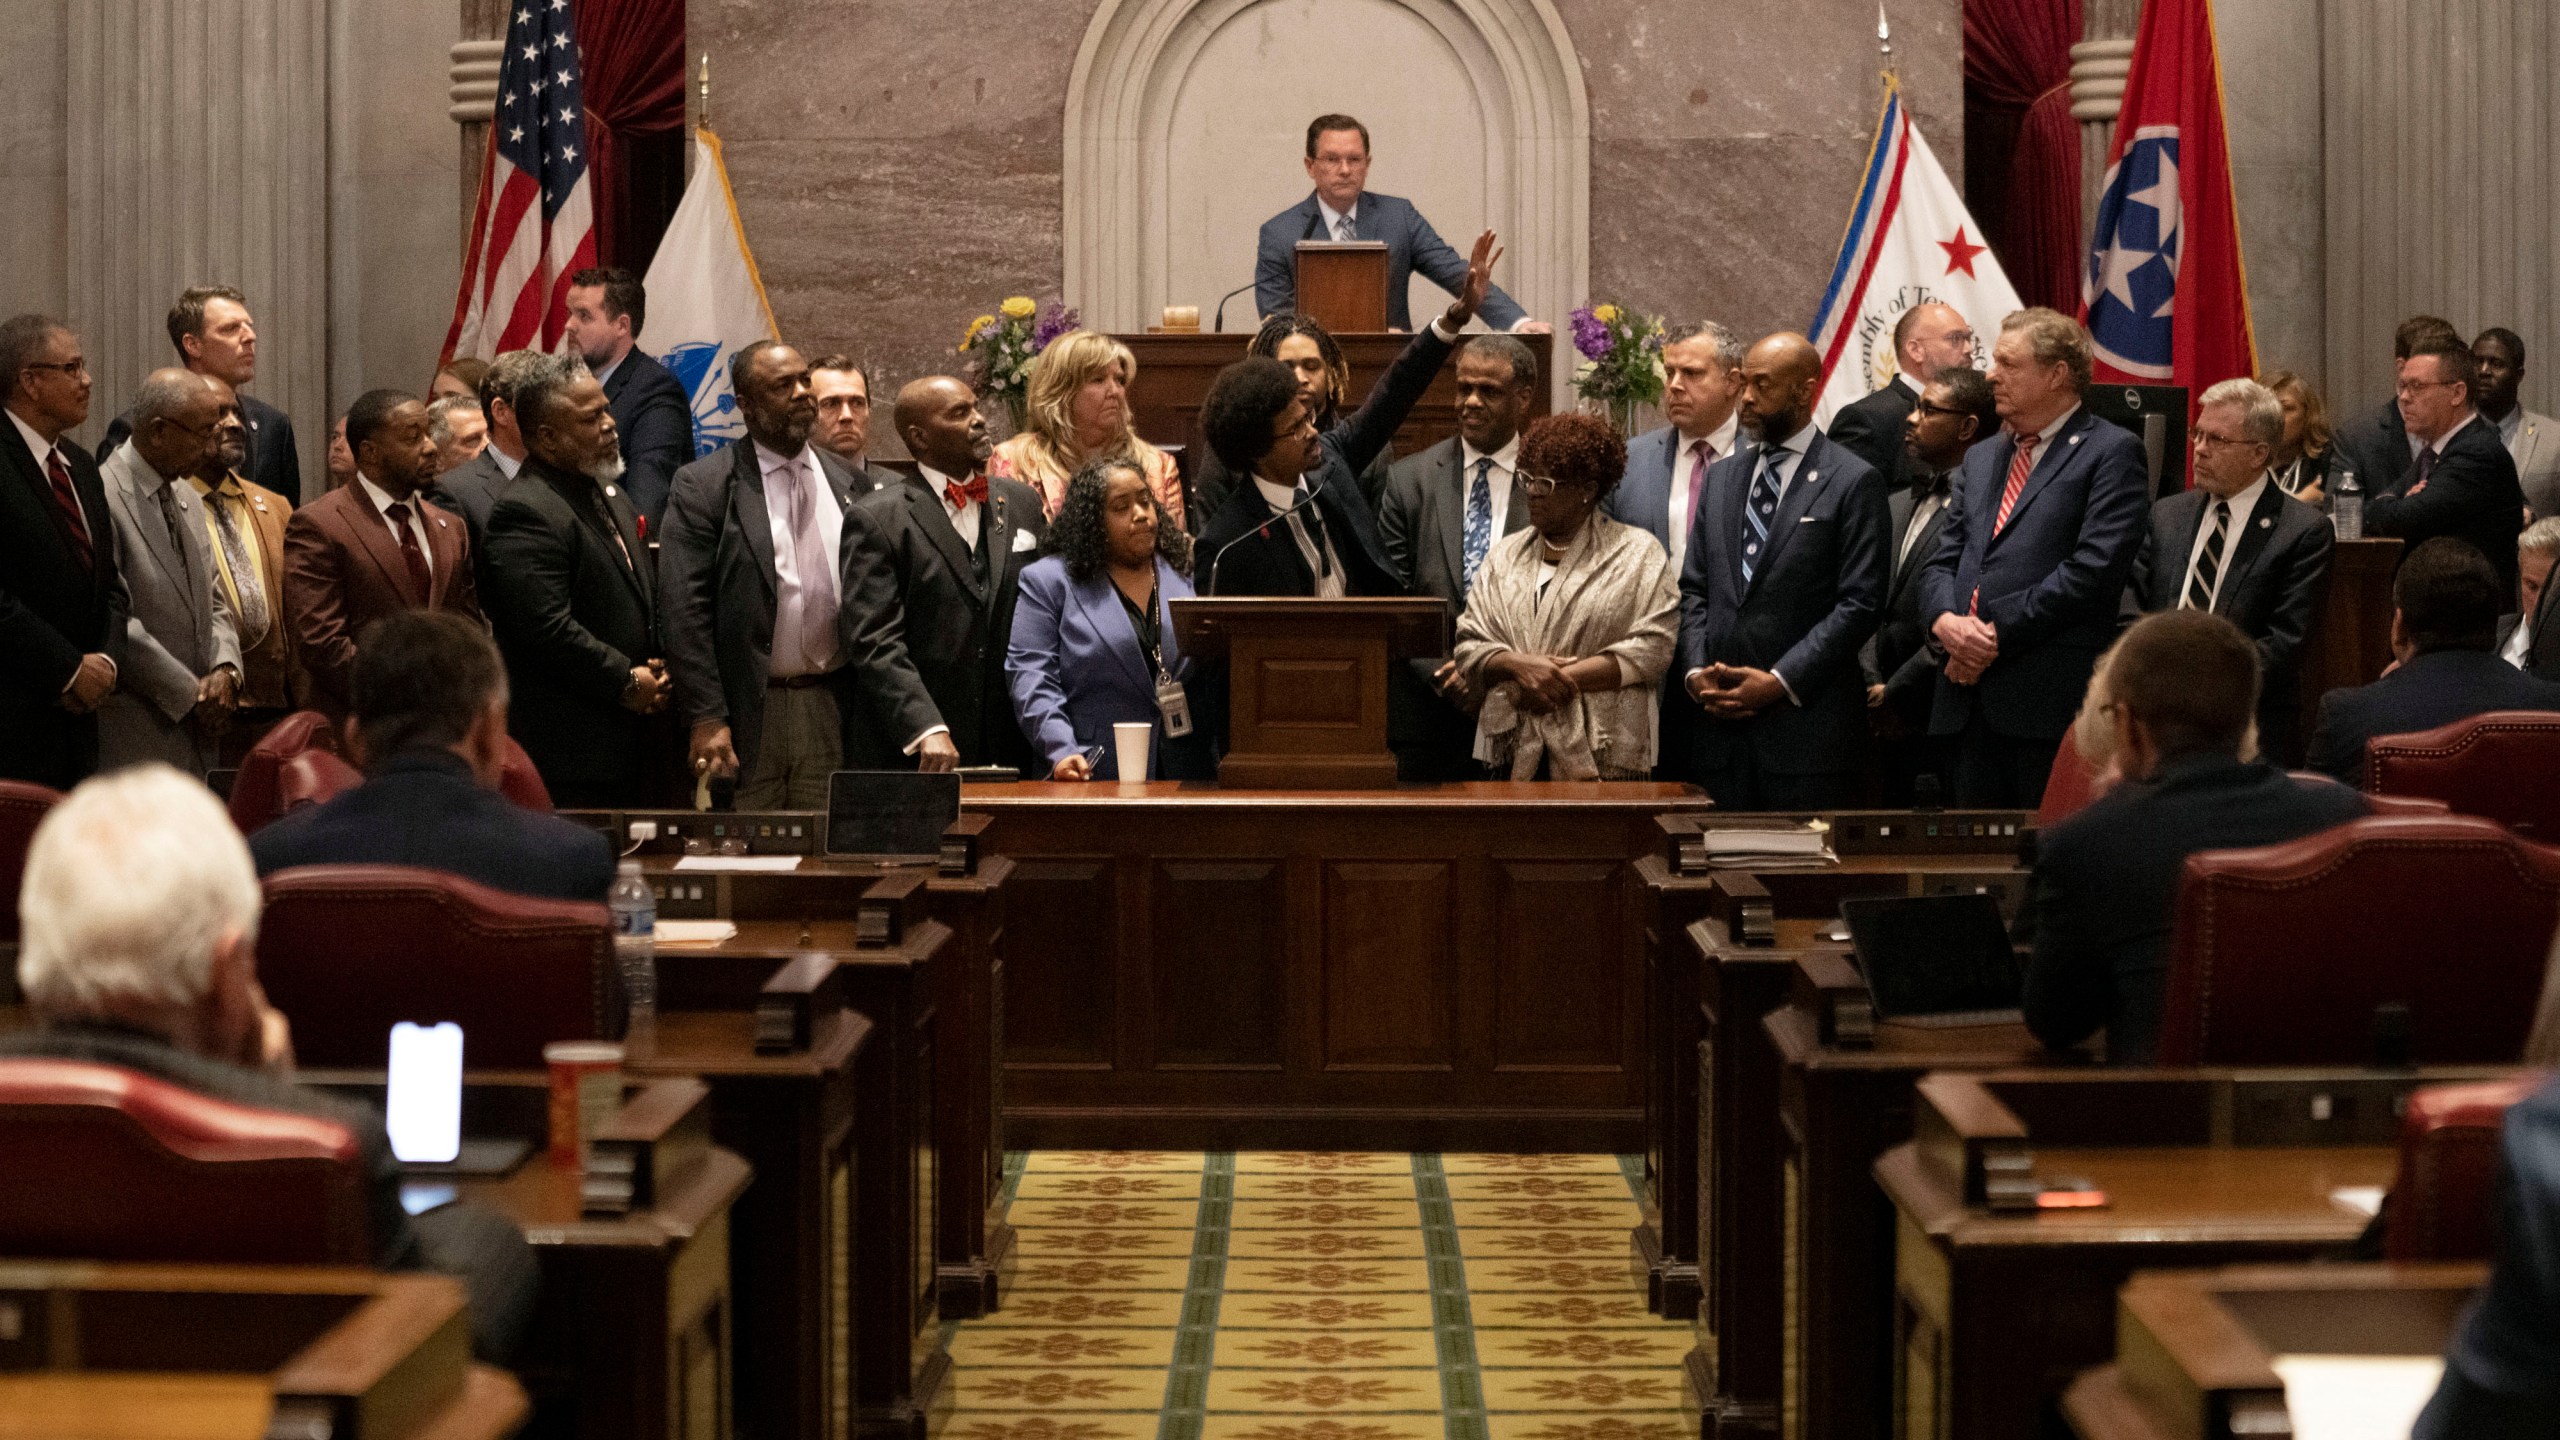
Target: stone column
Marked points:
199	139
474	69
2099	64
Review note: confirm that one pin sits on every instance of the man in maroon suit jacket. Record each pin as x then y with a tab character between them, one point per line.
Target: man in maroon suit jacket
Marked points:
367	549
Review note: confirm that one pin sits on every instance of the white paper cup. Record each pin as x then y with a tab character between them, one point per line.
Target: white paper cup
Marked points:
1129	741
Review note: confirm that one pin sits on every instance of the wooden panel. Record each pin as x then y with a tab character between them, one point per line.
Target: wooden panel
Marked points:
1559	992
1174	372
1220	964
1389	935
1060	995
1310	692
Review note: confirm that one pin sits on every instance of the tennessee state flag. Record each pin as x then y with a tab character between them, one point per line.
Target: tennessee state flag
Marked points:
2165	299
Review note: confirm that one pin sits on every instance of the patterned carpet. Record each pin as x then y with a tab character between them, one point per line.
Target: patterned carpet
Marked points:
1319	1296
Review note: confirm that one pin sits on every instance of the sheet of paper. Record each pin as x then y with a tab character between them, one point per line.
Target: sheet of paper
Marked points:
2365	1200
696	932
2357	1397
775	864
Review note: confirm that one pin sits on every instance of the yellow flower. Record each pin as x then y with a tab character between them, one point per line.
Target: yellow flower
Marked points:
1605	314
1019	308
975	327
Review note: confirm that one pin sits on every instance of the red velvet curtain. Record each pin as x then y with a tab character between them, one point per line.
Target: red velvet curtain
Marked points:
631	58
2022	148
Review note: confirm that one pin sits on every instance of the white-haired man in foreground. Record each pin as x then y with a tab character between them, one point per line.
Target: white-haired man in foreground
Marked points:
138	928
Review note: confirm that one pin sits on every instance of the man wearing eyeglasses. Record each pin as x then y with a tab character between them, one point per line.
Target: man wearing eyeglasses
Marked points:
1929	340
62	601
181	678
2462	482
2237	546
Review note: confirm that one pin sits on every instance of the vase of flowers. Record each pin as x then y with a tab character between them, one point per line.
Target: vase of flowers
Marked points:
1002	345
1621	365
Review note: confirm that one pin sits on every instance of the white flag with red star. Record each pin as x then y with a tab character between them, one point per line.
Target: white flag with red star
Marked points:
1909	242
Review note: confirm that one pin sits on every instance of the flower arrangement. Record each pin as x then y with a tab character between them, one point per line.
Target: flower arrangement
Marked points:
1621	360
1004	344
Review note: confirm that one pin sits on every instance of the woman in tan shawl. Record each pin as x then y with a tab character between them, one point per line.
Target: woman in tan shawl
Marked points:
1569	623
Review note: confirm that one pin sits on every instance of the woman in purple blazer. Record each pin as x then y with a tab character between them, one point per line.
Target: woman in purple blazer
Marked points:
1093	631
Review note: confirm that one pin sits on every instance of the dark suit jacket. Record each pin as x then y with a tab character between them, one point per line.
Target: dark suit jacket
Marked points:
2473	495
1899	656
2436	688
274	460
2275	577
1812	600
2375	445
2050	583
343	571
2106	889
1643	496
1265	558
52	612
717	588
423	808
2502	1373
1423	524
1411	245
573	618
1211	484
483	1250
926	627
1871	429
468	490
654	419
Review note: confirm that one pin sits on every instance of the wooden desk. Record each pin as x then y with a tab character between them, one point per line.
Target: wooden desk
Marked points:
2195	1350
1999	1305
143	1352
1174	372
1426	968
631	1337
1841	1103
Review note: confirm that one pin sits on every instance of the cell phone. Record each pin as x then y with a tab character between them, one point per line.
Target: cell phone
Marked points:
423	1104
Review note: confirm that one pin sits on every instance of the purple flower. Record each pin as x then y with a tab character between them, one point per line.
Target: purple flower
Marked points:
1589	335
1054	321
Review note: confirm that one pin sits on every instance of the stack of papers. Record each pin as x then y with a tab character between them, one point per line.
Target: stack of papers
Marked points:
1769	847
2357	1397
696	932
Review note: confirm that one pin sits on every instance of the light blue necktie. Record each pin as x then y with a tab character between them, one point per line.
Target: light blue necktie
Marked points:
1758	510
1479	536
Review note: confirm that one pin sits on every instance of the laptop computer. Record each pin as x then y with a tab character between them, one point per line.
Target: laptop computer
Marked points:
1936	960
896	816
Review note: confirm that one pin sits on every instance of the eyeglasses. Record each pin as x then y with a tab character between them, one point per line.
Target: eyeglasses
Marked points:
2207	440
2408	388
76	369
1545	484
1949	411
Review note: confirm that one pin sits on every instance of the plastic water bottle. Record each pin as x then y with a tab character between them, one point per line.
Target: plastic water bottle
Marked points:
2346	506
635	949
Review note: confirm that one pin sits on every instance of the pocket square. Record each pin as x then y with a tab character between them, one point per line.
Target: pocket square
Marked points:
1024	540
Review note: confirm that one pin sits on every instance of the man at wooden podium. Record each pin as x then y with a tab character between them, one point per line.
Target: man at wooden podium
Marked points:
1341	208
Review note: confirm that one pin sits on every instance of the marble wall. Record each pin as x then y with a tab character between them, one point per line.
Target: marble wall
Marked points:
898	163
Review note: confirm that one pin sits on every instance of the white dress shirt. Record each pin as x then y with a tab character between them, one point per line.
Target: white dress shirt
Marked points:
382	503
2242	506
1506	466
1333	218
2518	651
2418	446
965	517
1327	569
791	657
1687	475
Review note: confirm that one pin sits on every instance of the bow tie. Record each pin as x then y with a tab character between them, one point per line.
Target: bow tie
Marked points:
960	493
1934	486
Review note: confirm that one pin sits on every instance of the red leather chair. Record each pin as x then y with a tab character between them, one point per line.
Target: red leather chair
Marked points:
2444	1198
2282	955
520	782
2069	787
22	808
258	792
347	951
2380	804
105	1164
2504	765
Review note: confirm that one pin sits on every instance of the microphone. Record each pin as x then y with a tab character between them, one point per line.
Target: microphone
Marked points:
1301	503
1220	322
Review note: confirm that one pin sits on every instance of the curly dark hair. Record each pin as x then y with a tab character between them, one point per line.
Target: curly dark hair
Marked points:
1575	448
1266	342
1242	404
1081	534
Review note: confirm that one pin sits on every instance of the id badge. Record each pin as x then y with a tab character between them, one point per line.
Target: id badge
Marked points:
1174	706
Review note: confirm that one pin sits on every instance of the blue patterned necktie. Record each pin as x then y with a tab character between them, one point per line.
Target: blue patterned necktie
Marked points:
1479	519
1758	510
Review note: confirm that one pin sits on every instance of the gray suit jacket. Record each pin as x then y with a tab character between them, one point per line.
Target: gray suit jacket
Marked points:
1411	245
180	629
2537	452
470	490
716	587
1423	521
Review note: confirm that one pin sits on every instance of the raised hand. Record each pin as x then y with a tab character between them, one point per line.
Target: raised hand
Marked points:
1479	279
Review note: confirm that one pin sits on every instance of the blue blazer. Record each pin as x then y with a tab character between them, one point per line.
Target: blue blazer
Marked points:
1076	670
423	808
1411	245
2051	583
1643	496
654	419
2436	688
1813	600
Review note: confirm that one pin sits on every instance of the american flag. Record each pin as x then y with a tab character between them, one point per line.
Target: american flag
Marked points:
535	224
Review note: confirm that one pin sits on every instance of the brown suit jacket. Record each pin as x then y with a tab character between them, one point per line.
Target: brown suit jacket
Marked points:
343	571
272	674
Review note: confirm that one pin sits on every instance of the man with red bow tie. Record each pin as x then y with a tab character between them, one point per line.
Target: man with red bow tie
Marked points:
930	574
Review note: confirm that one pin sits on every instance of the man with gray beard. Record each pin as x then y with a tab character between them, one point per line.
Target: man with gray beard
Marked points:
573	601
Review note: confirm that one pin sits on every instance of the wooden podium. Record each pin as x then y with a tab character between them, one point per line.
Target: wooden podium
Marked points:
1342	284
1307	683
